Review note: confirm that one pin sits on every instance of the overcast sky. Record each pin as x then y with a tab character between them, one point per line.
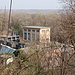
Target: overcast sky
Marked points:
31	4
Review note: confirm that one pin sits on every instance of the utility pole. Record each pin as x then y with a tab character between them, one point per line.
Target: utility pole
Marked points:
8	27
9	18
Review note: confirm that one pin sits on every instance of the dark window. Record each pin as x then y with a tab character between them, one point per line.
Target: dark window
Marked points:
29	36
37	30
43	31
13	38
29	30
17	37
25	36
47	30
33	30
9	38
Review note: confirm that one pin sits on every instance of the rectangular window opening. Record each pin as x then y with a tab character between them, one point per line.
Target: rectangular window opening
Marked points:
25	36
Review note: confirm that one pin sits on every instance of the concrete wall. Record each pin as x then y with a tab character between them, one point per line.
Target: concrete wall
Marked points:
45	35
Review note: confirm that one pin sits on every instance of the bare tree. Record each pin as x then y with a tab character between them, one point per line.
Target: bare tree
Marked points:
68	20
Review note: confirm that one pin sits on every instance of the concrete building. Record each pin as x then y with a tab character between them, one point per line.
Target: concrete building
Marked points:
10	37
36	34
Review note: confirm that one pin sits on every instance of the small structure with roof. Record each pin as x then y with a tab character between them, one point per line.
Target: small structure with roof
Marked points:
36	34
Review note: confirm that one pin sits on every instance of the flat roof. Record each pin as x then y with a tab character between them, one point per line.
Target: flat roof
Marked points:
35	27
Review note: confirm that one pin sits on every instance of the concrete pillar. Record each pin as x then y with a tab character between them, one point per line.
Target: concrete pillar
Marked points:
35	35
27	34
23	34
31	35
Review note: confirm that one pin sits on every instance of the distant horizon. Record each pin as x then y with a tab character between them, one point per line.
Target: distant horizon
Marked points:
33	9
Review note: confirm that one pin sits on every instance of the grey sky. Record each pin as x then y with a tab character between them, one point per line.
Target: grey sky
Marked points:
31	4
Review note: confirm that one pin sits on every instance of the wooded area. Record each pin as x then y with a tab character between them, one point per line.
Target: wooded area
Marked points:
57	59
